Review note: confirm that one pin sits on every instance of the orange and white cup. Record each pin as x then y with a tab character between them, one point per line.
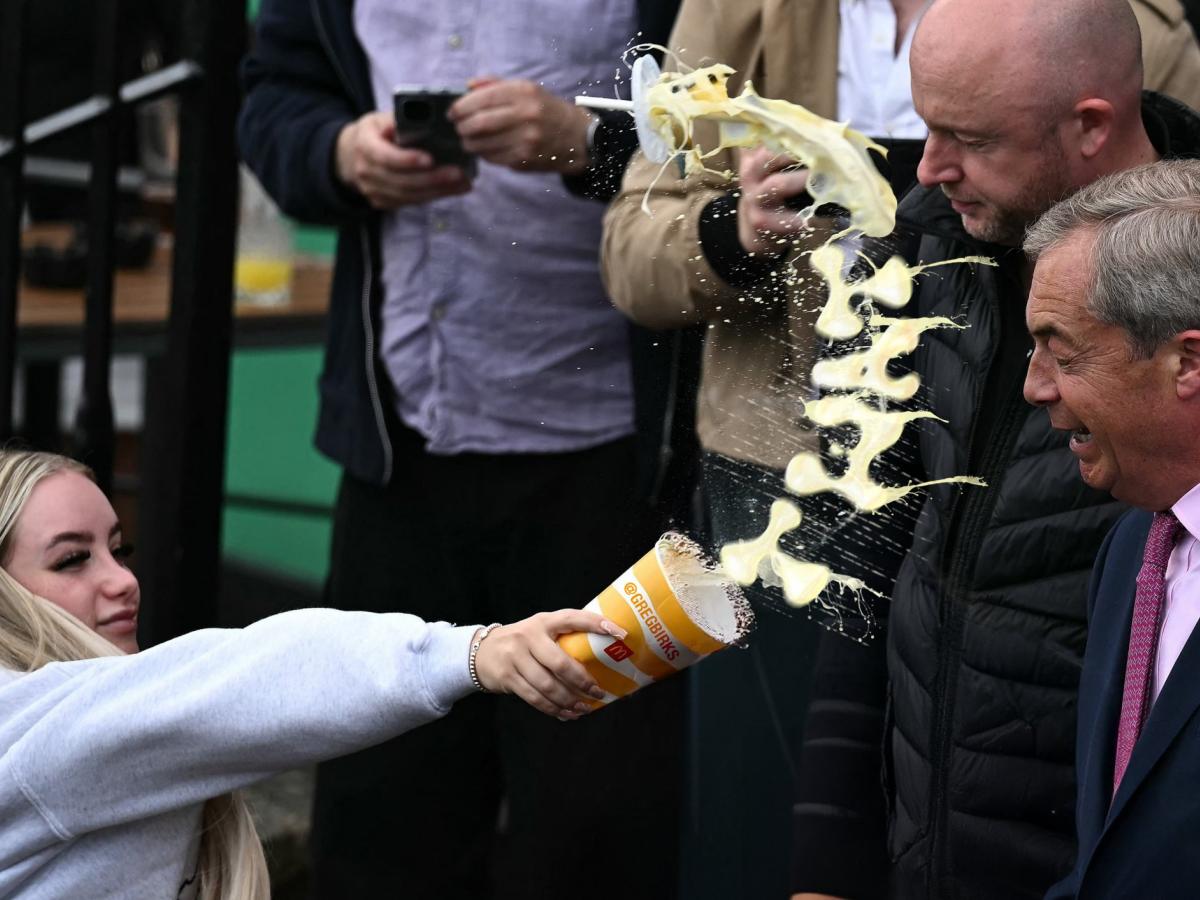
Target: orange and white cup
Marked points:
676	610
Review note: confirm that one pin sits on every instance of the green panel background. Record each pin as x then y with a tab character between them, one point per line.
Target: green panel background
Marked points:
272	412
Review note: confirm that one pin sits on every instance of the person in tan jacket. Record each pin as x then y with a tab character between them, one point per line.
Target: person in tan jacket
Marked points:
711	254
673	268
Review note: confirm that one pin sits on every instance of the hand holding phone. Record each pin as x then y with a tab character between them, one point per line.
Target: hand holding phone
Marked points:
389	176
423	122
522	126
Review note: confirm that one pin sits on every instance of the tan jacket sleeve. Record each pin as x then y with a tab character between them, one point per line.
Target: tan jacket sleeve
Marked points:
1170	53
653	265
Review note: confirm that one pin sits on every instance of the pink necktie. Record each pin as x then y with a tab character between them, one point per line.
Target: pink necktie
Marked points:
1143	637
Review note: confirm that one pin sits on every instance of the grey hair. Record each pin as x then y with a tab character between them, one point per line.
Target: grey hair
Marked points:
1145	269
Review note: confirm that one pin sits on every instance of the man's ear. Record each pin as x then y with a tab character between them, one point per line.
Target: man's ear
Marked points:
1094	119
1187	375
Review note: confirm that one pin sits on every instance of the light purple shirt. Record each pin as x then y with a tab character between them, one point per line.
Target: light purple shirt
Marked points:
497	334
1181	608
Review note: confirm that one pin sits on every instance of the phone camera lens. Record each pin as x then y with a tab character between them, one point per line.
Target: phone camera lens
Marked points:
417	110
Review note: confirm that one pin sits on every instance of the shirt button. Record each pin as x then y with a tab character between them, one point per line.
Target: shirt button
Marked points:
440	225
455	41
438	312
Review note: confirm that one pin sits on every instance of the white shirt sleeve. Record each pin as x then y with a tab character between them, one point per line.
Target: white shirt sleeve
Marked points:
104	741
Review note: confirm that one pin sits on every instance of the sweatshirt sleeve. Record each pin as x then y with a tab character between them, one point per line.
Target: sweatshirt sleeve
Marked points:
294	108
105	741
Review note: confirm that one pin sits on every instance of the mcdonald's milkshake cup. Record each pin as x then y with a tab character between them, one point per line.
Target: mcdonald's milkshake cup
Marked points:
677	609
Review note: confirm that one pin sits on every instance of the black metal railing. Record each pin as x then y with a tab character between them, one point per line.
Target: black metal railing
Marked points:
12	195
183	445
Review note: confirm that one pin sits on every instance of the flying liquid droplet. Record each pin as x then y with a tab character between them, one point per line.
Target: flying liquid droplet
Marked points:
741	559
866	370
890	285
879	430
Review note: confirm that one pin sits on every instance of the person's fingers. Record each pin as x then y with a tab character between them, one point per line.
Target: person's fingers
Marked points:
567	670
489	94
474	101
377	124
759	167
544	682
566	621
391	157
527	692
480	81
501	149
535	698
756	163
778	188
486	123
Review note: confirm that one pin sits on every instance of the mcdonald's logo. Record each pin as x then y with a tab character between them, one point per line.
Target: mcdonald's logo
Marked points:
618	651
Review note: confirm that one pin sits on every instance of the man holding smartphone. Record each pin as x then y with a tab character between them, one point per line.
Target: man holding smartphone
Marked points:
513	123
477	392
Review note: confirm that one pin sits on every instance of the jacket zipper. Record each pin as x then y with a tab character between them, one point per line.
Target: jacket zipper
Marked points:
369	331
972	525
368	269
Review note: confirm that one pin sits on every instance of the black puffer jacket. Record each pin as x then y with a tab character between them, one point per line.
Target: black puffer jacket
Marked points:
987	622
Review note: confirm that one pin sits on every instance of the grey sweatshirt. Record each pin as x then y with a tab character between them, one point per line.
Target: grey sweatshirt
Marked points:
105	764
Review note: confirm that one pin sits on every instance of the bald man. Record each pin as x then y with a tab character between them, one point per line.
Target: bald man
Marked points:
1026	102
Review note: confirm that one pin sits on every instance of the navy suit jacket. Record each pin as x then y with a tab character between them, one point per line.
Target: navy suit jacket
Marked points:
1145	841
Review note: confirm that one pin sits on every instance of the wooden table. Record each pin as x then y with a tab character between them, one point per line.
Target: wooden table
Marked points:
50	321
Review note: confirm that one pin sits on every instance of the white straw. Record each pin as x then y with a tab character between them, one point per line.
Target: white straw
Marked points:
604	103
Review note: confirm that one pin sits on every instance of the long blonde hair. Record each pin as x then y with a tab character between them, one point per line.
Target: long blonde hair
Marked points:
34	632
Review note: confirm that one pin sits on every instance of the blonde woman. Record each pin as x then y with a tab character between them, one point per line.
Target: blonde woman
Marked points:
117	767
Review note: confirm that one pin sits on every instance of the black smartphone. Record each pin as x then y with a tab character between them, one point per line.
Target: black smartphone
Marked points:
421	122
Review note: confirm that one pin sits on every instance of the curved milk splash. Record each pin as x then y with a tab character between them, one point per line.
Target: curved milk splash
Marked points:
866	370
840	172
802	582
879	429
890	285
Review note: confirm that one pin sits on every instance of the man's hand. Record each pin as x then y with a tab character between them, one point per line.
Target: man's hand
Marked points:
390	176
768	181
522	126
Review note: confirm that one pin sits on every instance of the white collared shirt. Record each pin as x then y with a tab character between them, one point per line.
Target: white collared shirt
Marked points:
874	85
1181	608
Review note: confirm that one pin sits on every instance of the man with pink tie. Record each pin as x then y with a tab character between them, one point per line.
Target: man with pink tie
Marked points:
1114	311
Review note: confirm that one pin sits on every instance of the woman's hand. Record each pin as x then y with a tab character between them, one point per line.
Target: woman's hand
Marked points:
523	659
